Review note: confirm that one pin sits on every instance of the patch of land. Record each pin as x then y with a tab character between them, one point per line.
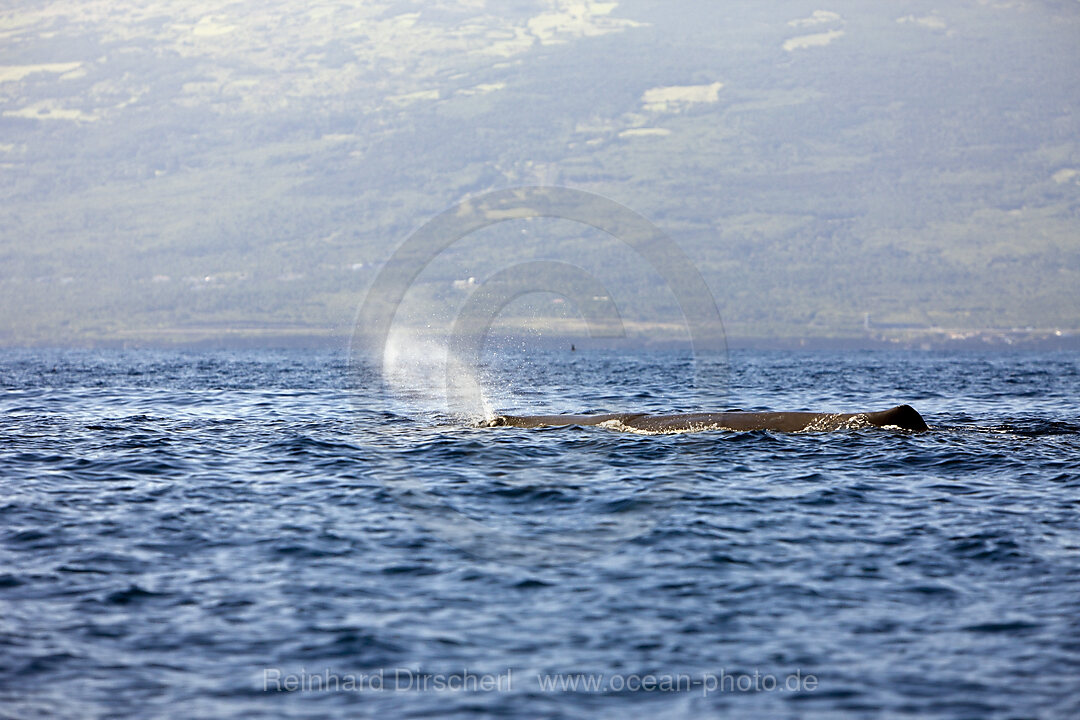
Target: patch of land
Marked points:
183	170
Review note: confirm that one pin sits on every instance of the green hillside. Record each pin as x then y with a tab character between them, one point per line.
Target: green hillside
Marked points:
172	172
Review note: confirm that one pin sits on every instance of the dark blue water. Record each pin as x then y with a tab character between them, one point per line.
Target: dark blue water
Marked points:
220	534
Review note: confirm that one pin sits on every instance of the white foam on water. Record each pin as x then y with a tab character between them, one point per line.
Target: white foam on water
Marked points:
835	421
620	426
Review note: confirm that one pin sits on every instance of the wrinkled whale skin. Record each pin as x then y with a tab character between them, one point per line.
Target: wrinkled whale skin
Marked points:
903	417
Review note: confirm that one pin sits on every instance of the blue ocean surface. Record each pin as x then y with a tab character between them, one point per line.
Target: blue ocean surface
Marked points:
265	534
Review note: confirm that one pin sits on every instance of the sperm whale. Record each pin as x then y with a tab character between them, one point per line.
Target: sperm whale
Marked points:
903	417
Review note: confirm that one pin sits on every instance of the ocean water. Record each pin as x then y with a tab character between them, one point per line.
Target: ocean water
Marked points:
277	534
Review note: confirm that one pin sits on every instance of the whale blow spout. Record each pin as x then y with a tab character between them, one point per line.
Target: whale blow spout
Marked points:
902	417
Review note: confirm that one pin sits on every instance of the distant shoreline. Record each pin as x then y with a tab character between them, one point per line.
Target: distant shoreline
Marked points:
990	340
